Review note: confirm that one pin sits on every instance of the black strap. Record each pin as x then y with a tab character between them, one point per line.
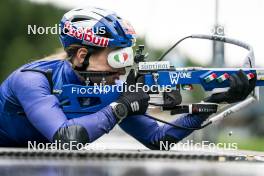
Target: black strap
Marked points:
86	61
179	109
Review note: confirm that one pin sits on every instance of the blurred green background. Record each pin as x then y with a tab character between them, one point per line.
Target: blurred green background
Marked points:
16	46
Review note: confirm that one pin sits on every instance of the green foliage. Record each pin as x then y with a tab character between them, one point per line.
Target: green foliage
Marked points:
16	46
244	142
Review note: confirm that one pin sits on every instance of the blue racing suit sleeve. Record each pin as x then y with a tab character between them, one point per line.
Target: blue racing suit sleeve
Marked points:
150	134
43	111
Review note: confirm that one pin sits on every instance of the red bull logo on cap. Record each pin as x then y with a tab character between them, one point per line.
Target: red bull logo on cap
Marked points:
86	35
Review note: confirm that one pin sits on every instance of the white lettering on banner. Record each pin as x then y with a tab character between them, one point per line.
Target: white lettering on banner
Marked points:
175	76
161	65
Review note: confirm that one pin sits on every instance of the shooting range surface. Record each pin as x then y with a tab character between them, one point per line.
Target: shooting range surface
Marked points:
117	154
129	162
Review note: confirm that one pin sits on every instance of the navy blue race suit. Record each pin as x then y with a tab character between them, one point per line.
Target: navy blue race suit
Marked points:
44	121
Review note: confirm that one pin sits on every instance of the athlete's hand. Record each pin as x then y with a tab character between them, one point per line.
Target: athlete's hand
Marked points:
240	88
132	102
136	101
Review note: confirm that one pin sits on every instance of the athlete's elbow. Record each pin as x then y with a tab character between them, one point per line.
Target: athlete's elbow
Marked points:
74	134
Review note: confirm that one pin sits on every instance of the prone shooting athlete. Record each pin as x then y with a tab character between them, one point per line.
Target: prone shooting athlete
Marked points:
28	89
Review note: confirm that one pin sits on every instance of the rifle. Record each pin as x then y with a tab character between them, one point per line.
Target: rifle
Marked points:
162	74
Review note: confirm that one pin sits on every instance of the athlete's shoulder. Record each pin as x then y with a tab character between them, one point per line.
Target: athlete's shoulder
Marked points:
28	80
44	64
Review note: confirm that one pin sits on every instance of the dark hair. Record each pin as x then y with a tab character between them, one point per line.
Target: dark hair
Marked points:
72	49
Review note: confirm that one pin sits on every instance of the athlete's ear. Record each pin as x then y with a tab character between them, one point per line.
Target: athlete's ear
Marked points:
80	55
